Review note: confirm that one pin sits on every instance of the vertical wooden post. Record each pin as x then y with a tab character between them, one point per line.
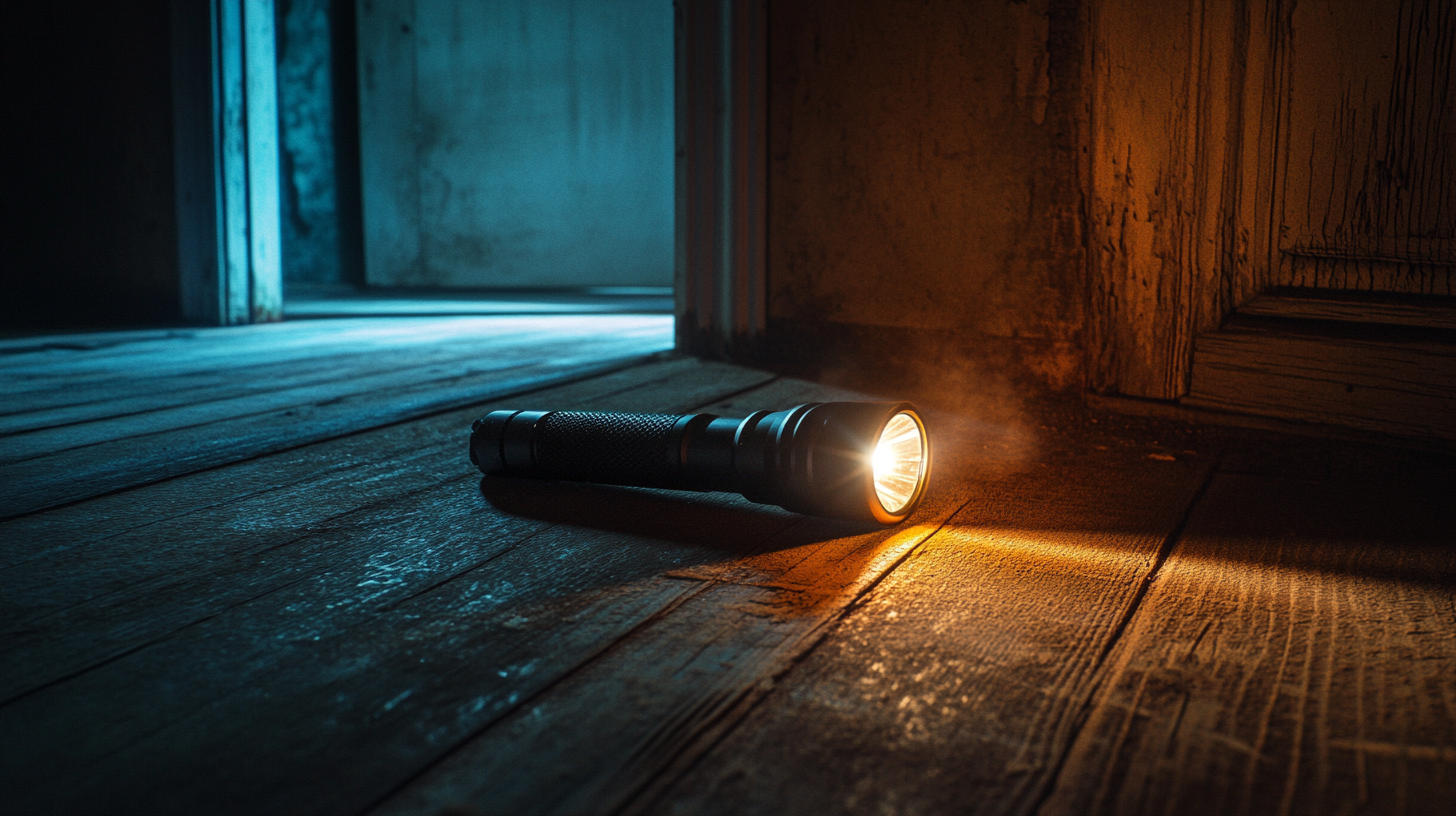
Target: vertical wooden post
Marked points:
265	230
225	111
722	144
232	160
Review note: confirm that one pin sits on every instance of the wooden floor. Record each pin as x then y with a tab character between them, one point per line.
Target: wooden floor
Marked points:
252	571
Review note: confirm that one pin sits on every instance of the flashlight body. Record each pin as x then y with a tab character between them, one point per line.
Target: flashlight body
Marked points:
813	458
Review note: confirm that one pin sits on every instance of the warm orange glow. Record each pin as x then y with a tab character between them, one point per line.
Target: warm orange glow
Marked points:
898	462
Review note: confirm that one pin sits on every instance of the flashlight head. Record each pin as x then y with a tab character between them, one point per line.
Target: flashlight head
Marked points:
864	460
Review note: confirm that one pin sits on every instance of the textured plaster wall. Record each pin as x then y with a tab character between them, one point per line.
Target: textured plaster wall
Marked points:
924	182
517	144
318	133
306	118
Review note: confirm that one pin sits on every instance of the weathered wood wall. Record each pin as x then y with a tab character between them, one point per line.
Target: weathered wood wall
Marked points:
1371	176
1166	90
1071	192
1241	144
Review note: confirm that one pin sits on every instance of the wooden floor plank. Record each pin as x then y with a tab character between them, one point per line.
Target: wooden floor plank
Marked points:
129	589
363	622
954	686
267	675
562	758
639	300
186	376
98	360
685	684
473	359
198	349
152	404
80	473
62	343
115	427
387	453
1297	654
1358	307
87	402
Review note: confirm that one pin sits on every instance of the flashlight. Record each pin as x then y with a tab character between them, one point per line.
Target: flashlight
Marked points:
857	460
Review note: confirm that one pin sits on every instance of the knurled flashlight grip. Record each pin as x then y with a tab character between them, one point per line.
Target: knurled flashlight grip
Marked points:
581	446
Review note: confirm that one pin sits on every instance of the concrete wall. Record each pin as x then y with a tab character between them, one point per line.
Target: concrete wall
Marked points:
517	143
924	196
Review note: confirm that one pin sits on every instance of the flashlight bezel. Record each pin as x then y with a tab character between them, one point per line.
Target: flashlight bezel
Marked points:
817	458
877	507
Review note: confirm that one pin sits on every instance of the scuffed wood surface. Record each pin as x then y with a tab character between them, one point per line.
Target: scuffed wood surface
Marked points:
82	419
224	541
1296	654
1236	146
956	684
364	624
249	647
1293	654
686	678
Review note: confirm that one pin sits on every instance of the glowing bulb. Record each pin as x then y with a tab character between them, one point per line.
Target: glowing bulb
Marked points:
897	462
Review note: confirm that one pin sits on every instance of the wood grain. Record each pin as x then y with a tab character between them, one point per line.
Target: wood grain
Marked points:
1371	176
1399	386
106	422
364	624
361	603
1295	655
957	683
1167	170
1429	313
1245	144
221	542
685	686
49	466
682	677
119	361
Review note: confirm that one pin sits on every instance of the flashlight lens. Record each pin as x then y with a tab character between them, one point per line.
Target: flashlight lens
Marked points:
899	462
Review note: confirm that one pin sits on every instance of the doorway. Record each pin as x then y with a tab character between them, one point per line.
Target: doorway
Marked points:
509	155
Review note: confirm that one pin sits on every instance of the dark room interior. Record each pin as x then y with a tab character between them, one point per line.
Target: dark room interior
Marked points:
728	406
